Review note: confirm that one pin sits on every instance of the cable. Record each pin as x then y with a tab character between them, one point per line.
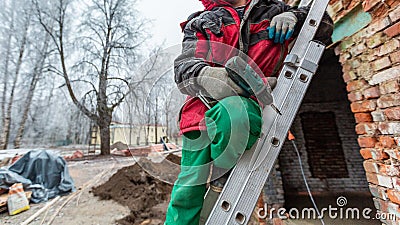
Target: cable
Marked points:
292	139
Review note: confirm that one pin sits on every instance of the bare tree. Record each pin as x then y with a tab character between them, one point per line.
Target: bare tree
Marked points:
24	24
6	15
37	72
111	35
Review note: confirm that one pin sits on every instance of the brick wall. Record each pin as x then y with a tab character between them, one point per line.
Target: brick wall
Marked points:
371	70
327	93
273	189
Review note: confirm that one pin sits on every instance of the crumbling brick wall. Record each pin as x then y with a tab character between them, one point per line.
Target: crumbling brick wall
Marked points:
371	70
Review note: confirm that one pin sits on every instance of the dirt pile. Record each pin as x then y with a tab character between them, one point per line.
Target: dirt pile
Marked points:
174	159
143	192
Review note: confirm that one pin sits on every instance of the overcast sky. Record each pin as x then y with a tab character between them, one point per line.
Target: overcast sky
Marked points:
166	15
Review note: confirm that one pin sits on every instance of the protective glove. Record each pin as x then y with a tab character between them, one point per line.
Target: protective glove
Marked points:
281	27
217	84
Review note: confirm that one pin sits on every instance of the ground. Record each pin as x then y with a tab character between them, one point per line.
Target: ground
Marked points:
143	192
83	207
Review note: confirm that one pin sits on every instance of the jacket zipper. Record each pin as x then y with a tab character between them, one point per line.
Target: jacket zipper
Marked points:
246	15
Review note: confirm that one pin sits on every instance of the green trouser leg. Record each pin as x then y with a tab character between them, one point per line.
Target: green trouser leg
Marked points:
188	192
233	125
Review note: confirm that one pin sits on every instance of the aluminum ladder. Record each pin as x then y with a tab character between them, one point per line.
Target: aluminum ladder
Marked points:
239	196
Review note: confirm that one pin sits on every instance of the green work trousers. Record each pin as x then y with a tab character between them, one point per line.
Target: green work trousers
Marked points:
233	126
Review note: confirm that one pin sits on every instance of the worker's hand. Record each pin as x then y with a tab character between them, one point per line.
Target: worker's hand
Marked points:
282	27
216	82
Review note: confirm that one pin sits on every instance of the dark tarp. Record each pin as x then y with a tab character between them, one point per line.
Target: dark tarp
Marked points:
43	172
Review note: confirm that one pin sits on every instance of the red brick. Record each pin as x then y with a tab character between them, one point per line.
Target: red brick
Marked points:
356	85
382	9
355	96
388	47
372	178
372	92
394	196
346	3
395	14
378	191
382	63
344	57
383	169
370	166
358	49
379	154
366	153
355	63
378	116
370	153
381	204
376	40
396	183
365	106
389	100
384	181
365	70
386	141
367	142
397	141
392	3
346	67
395	57
366	128
369	4
389	170
352	5
363	117
348	76
393	30
389	87
385	75
378	25
393	113
336	6
389	127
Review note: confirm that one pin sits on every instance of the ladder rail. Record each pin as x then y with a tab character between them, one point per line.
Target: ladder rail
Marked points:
239	196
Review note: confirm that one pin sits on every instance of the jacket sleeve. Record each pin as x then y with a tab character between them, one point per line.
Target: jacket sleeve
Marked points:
325	29
195	52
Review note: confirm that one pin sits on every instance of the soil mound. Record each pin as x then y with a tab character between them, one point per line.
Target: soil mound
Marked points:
146	196
174	159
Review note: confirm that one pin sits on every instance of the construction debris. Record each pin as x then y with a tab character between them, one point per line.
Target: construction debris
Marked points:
76	155
43	172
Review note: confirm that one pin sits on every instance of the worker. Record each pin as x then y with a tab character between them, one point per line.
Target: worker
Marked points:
218	121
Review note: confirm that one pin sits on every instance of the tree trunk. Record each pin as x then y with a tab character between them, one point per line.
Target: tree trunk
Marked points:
37	71
5	81
7	121
105	137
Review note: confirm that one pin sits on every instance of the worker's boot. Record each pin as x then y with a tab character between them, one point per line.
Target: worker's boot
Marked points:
219	177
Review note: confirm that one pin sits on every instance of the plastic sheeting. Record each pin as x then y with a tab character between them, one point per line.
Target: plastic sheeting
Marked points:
43	172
